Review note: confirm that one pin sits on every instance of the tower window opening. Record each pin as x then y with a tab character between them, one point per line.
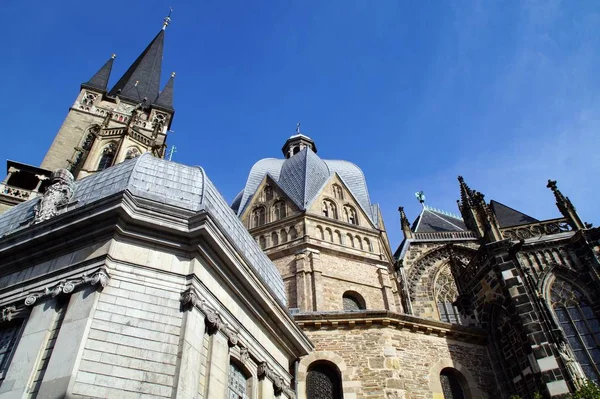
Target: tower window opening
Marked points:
353	301
258	216
108	157
329	209
350	215
279	211
323	381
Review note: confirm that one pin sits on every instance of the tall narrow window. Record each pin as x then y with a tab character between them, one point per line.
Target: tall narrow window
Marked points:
445	295
108	157
337	192
258	216
284	236
274	239
278	210
329	234
262	241
9	335
350	215
451	385
350	240
580	325
268	193
319	232
293	233
323	381
329	209
238	383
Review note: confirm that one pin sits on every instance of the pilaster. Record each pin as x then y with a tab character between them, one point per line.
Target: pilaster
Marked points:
317	280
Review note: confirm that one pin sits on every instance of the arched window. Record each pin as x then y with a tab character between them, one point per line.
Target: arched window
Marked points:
278	210
350	215
132	152
445	292
337	191
262	241
323	381
338	237
353	301
284	236
329	234
268	193
238	383
319	232
359	242
274	239
452	382
368	245
293	233
258	216
108	156
296	150
579	324
350	239
329	209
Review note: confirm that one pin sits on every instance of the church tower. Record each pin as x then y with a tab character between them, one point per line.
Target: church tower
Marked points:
105	127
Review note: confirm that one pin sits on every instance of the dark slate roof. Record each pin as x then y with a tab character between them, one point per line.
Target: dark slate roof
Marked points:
302	178
145	71
509	217
433	220
169	183
100	80
165	98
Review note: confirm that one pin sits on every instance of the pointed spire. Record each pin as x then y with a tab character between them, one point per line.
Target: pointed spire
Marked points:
165	98
141	82
566	207
405	224
100	79
476	214
465	191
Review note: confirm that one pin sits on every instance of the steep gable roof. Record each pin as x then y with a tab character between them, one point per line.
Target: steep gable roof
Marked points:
508	216
100	79
433	220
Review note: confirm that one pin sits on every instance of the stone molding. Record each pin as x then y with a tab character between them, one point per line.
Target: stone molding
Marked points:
67	286
263	371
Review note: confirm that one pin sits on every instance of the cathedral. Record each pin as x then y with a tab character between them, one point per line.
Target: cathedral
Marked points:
126	275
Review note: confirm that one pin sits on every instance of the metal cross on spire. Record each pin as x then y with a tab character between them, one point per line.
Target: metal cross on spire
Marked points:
167	19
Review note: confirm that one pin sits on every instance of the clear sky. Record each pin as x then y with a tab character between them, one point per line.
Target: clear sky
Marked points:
414	92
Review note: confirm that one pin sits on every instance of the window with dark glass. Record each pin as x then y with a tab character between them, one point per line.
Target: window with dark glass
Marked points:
323	381
451	387
446	294
237	383
352	301
9	335
580	325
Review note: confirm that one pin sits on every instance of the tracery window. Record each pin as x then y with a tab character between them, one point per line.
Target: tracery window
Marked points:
451	387
329	209
353	301
445	295
337	191
350	215
9	334
108	157
268	193
323	381
278	210
579	324
258	216
238	383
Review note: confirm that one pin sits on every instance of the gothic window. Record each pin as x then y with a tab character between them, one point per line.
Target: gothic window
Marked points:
353	301
238	383
350	215
284	236
337	192
274	239
579	324
445	295
451	386
132	152
329	209
108	157
278	210
9	334
293	233
368	245
262	241
323	381
268	193
258	216
88	98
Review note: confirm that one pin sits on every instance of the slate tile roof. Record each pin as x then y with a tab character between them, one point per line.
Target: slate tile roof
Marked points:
168	183
508	216
432	220
100	79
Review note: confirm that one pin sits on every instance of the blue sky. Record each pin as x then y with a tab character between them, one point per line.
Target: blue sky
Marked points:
414	92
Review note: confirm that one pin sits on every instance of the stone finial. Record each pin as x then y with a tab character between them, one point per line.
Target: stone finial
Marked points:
8	313
405	224
566	207
56	196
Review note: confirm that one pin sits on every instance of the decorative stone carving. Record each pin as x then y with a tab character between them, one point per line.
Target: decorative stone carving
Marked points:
56	196
213	319
572	365
8	313
244	355
100	278
233	337
262	370
132	152
189	298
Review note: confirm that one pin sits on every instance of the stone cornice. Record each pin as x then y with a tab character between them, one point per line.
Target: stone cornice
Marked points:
376	318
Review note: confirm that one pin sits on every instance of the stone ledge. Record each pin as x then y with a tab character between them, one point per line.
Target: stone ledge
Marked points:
387	319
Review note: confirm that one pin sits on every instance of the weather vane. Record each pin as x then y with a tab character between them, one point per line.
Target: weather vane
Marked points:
167	19
298	128
420	196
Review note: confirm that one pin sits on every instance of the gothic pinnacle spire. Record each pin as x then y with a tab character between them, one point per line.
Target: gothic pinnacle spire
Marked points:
566	207
100	79
404	223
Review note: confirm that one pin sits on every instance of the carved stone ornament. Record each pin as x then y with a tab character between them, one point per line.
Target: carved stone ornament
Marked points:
189	298
213	319
244	355
233	338
56	196
8	313
262	370
100	278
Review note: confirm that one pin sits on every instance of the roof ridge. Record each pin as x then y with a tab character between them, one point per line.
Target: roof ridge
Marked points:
443	212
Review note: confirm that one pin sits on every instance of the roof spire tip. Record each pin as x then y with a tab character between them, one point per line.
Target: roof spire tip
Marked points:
113	56
172	74
167	19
